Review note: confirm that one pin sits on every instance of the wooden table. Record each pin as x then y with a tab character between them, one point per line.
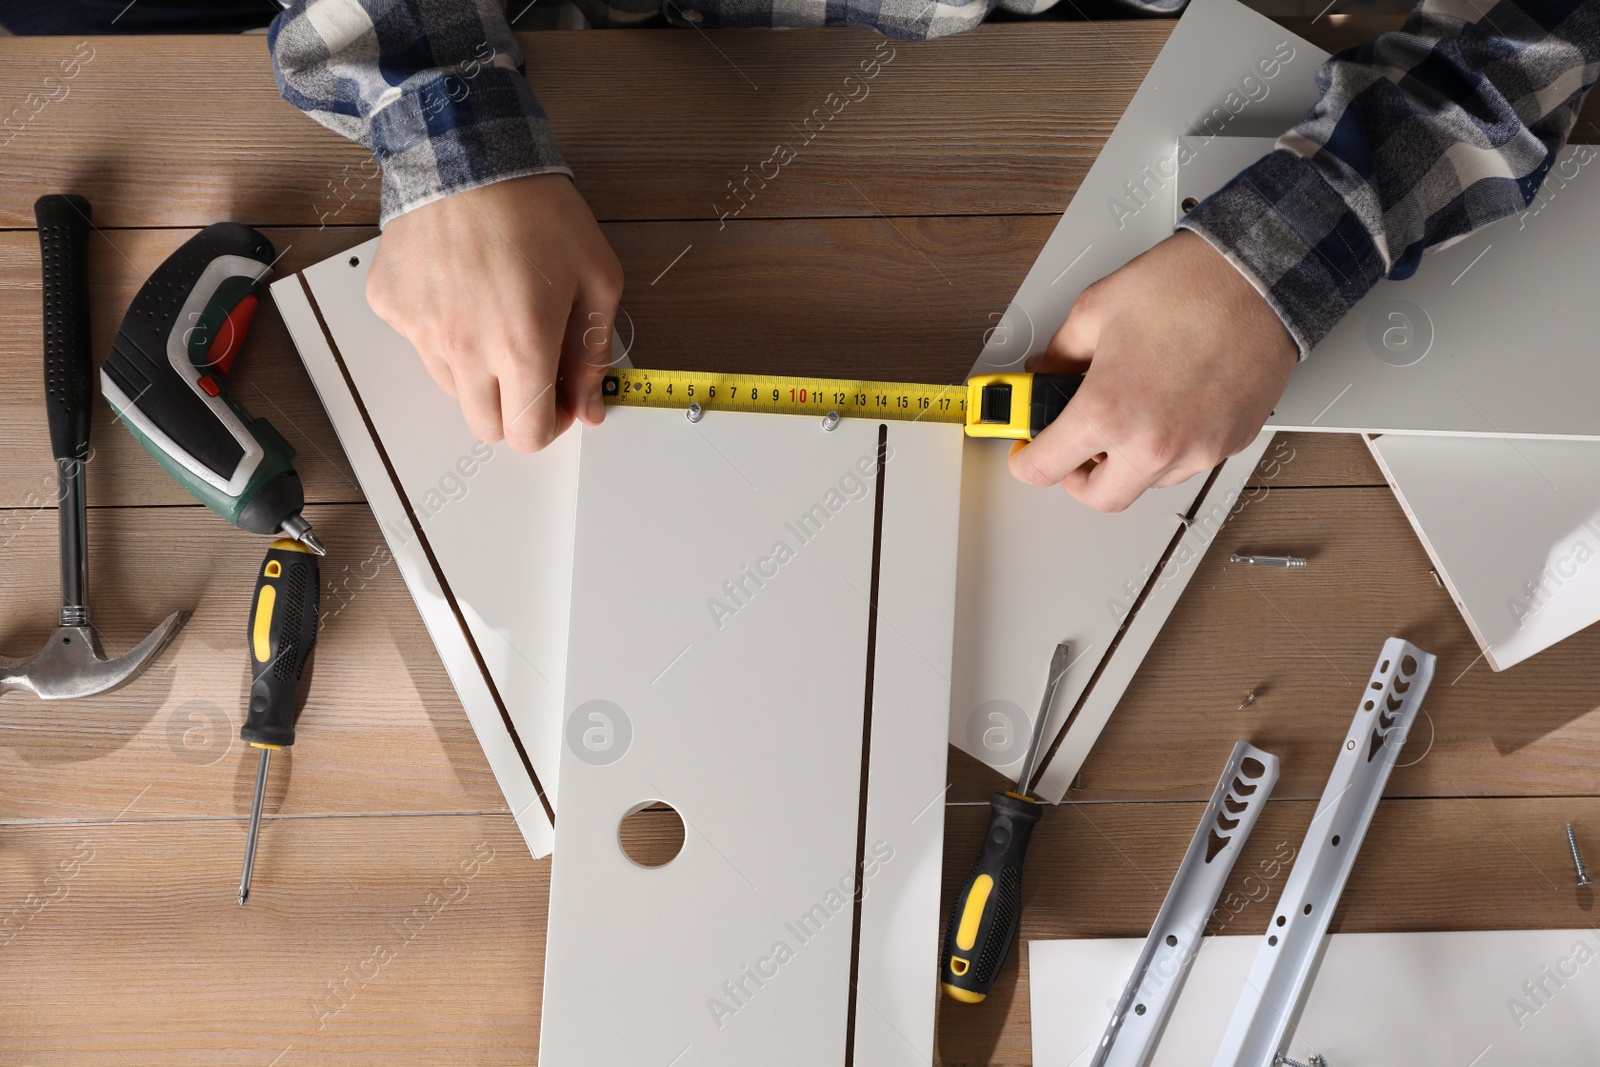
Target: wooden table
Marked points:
397	916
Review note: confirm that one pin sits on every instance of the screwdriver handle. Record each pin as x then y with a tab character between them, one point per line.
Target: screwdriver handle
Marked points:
984	917
281	631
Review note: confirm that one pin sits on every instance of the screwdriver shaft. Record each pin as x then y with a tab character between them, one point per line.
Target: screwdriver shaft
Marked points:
255	825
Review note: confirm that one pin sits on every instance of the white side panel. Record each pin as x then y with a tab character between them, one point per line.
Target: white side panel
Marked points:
1194	86
743	709
1493	335
1424	1000
1220	501
499	521
404	546
900	922
1513	529
1037	567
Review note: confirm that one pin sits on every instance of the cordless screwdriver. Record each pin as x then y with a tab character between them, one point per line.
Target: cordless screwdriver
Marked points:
165	379
281	631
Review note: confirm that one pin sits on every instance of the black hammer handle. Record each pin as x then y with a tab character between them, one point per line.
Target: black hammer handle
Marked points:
64	251
64	256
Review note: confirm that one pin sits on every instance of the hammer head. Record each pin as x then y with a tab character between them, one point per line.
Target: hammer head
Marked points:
72	665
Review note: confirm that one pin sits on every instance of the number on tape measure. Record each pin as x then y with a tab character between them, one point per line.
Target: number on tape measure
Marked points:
778	395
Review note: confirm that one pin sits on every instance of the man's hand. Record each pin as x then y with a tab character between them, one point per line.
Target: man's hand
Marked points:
508	292
1185	361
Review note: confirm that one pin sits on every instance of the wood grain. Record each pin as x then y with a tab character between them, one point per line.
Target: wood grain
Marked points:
909	300
365	941
381	731
267	379
397	916
1102	870
420	939
1304	642
1037	102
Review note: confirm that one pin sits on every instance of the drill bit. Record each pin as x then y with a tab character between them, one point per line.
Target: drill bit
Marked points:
255	825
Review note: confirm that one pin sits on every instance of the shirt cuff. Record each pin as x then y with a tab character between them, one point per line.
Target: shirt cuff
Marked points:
1295	239
455	133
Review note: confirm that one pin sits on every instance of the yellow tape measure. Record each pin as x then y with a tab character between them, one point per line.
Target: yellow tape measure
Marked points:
779	395
1016	406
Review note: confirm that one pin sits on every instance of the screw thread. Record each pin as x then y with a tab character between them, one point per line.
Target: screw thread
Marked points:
1577	858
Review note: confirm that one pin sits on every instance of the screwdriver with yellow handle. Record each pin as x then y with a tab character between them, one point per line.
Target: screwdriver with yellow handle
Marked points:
281	630
987	910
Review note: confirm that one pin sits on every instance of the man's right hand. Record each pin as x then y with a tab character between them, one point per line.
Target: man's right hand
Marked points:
508	292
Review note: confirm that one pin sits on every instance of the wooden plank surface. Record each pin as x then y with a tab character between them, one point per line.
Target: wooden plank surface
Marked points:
1003	120
397	917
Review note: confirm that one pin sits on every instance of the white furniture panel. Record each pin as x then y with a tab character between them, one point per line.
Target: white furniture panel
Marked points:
1492	336
719	642
1513	529
1424	1000
406	547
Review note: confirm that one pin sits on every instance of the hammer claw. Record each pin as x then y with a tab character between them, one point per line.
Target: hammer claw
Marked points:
72	665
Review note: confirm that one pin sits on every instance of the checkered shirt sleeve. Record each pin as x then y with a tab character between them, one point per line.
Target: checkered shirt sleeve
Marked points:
435	88
1420	137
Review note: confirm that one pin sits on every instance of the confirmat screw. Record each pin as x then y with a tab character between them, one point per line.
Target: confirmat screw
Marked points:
1268	561
830	421
1577	858
695	412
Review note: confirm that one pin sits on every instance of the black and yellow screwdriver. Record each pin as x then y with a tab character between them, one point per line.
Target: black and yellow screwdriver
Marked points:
987	910
281	630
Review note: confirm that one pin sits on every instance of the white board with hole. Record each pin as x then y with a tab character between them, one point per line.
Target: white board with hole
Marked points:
1494	998
722	626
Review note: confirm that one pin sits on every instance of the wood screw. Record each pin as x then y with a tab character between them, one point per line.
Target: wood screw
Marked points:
1577	859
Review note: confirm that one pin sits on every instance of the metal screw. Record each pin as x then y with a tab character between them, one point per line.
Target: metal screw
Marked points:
1269	561
1577	859
1249	698
1184	520
1316	1061
1436	579
1077	783
830	421
695	412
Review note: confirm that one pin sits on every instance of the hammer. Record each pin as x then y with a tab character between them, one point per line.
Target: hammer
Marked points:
71	663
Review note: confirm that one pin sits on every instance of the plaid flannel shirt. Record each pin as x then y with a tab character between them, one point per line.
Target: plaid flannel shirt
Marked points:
1420	136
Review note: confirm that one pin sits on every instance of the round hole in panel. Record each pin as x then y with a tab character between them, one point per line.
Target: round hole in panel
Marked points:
651	834
1251	767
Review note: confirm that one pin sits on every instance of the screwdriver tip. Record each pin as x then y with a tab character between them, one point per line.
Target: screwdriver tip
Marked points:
244	895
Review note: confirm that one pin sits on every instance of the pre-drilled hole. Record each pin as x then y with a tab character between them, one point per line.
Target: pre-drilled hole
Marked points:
1189	204
651	835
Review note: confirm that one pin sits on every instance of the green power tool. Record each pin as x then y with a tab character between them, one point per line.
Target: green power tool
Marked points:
165	379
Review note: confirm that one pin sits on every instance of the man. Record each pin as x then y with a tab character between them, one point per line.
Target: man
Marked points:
1420	136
